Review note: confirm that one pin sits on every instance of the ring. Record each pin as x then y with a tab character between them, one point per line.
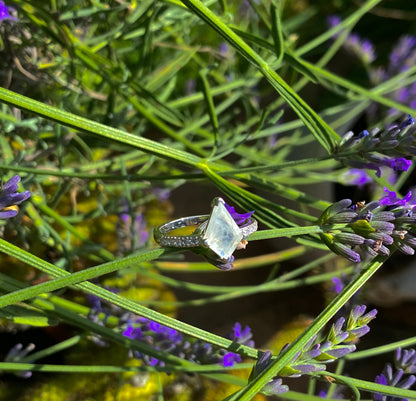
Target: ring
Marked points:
217	234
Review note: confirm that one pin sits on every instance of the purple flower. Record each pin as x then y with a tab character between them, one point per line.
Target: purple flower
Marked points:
337	285
391	199
402	57
403	54
394	378
333	20
230	358
376	149
241	335
380	379
349	229
341	249
5	12
163	338
314	355
246	10
406	360
225	266
162	194
356	176
99	313
362	48
132	231
133	332
356	327
16	354
337	394
274	386
399	164
10	198
240	219
224	49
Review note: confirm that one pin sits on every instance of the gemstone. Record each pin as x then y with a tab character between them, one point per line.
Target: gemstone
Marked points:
222	234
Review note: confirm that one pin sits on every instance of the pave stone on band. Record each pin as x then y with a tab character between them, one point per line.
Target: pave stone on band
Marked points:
217	232
179	241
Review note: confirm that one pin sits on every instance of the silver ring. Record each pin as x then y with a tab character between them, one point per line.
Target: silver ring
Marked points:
217	234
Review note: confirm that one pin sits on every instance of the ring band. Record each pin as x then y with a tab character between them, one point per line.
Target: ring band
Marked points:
162	237
217	232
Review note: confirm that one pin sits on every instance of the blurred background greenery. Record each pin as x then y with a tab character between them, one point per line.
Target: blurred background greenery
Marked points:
155	70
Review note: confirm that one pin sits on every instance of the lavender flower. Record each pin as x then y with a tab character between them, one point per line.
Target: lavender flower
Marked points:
337	285
162	194
5	12
353	229
163	338
132	231
402	57
275	385
100	311
240	219
225	266
376	149
224	49
246	11
356	177
315	354
400	376
16	354
9	198
406	360
391	199
337	394
166	339
241	335
361	47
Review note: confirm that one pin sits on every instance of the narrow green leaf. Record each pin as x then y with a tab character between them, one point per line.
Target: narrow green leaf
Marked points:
277	33
92	127
330	33
109	296
210	103
394	392
285	357
284	232
166	72
328	77
322	132
23	314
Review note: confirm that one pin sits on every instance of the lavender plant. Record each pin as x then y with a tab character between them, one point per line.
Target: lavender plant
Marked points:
388	148
316	353
122	117
349	229
6	12
170	340
10	198
401	375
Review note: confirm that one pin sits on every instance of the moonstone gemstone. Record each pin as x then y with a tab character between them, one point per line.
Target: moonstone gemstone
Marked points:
222	234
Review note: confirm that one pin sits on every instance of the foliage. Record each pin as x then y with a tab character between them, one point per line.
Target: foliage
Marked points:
109	111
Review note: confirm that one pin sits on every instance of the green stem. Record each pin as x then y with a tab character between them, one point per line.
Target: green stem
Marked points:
109	296
92	127
284	232
287	356
322	132
19	366
372	387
